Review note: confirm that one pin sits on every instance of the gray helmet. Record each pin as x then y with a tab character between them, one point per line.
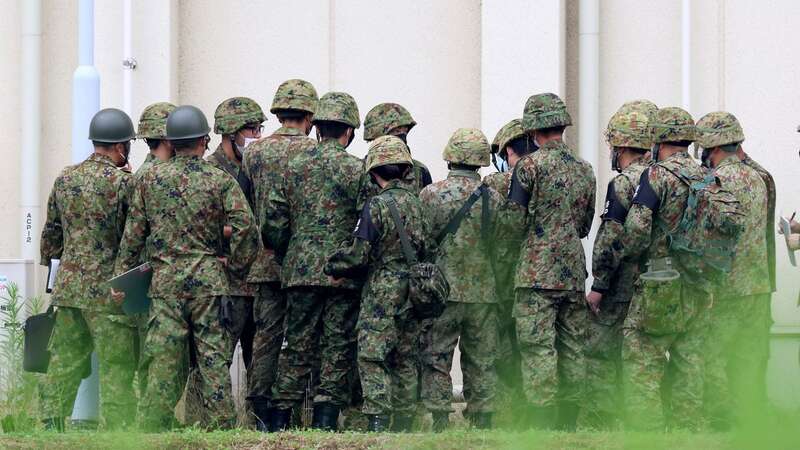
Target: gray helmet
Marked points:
186	122
112	126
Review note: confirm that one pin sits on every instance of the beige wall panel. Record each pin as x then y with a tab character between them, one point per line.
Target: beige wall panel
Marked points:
10	56
423	55
246	48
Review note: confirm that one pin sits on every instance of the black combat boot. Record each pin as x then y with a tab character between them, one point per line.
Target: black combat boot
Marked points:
401	423
326	417
279	419
567	416
441	420
377	423
54	424
262	411
481	421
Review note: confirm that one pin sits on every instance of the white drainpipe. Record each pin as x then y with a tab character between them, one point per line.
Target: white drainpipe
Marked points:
686	55
30	84
85	103
128	63
589	80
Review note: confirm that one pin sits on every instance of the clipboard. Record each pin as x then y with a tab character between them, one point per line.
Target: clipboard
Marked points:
135	283
52	271
786	228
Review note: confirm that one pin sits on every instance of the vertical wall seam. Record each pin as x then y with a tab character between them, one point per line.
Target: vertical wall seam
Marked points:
331	45
721	56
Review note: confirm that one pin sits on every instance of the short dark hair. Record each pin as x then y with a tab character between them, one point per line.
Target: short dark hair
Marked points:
522	145
333	130
391	171
679	143
730	148
291	114
459	166
152	143
185	144
552	130
640	151
103	144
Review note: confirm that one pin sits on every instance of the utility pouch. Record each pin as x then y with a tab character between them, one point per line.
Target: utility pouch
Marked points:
226	312
662	310
38	329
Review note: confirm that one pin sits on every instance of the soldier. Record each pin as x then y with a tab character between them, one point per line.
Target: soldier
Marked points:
463	229
85	217
176	220
735	344
512	144
557	191
658	206
628	138
264	164
387	327
309	214
238	120
394	120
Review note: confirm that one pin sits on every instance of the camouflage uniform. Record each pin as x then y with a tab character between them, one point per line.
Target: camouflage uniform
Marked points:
264	164
557	190
735	344
387	328
614	276
308	214
506	243
384	119
658	206
470	317
85	218
177	217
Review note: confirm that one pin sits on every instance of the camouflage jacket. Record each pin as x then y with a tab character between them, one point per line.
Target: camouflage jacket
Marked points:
769	182
464	257
264	162
238	284
377	249
85	219
417	179
558	191
613	274
750	272
658	206
177	217
149	161
313	211
509	232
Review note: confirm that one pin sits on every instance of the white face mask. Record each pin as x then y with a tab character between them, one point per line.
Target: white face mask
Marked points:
248	141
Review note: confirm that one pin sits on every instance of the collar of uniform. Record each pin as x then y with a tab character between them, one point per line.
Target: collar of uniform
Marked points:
288	131
149	158
639	163
679	155
557	144
184	157
464	173
102	159
733	158
222	158
331	144
394	184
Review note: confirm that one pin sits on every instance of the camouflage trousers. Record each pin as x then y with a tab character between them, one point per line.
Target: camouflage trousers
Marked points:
184	334
603	397
736	352
473	326
507	363
388	353
551	329
76	333
270	320
662	374
320	326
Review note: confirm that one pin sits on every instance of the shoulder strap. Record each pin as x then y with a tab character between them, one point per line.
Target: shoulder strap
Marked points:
408	251
455	222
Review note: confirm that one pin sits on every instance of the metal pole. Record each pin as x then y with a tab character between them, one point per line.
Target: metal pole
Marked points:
31	126
85	103
686	55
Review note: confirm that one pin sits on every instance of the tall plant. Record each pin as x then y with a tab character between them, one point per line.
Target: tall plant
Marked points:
18	389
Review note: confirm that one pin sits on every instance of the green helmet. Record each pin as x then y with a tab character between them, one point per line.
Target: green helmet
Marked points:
111	125
629	128
642	105
510	131
186	122
387	150
384	118
153	121
337	107
467	146
545	111
235	113
672	124
297	95
718	128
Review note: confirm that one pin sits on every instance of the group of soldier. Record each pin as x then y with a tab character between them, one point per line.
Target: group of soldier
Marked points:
301	253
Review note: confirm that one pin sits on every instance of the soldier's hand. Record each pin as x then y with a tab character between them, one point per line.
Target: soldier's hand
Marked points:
336	282
117	296
593	299
795	226
794	242
223	260
227	231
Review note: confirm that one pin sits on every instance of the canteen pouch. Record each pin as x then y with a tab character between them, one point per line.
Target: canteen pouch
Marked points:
38	329
662	310
226	312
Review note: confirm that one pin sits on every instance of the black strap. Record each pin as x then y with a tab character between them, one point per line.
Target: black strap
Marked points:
455	222
408	251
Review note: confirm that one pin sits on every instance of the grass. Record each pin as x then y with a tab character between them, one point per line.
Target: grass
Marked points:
451	440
